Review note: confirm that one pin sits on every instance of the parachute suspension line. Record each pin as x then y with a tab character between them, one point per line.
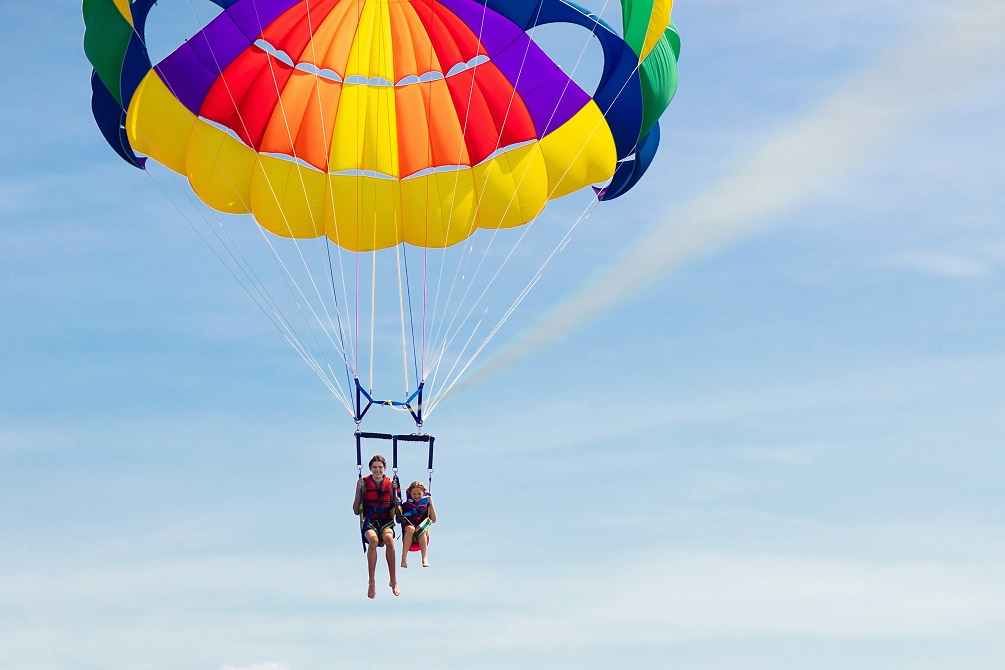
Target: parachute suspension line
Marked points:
583	217
398	227
282	324
463	262
401	308
241	262
537	276
300	174
411	317
467	244
373	310
338	314
518	247
530	226
288	277
355	373
425	240
495	233
376	219
425	301
307	322
331	193
358	192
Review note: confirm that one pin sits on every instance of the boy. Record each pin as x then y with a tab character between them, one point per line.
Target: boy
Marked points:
376	503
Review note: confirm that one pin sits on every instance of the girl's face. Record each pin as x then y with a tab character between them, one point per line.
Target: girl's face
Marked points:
416	493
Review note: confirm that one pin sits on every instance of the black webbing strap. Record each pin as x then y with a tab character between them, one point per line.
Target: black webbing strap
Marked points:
428	439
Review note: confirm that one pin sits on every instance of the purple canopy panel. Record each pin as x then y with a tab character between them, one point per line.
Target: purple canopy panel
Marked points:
187	77
219	43
191	69
525	65
496	31
254	16
554	102
551	97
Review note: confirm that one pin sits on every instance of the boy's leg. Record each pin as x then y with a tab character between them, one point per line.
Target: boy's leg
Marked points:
389	555
371	560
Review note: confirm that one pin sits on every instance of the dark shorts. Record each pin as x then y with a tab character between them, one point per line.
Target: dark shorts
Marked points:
378	524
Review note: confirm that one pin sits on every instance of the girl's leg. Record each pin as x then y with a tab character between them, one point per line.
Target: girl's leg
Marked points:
423	542
406	542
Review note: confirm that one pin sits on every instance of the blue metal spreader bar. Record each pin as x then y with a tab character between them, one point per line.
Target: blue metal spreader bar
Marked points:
415	411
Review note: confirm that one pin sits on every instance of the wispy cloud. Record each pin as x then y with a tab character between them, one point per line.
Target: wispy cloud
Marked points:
896	95
866	385
700	594
941	264
724	595
13	196
296	607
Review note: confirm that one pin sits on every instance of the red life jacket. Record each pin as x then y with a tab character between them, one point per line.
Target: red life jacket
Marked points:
377	498
415	512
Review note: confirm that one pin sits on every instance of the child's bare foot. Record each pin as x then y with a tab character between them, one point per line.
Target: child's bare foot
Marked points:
404	564
371	591
425	564
395	589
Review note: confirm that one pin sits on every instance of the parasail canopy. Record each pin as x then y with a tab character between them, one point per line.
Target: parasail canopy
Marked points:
371	124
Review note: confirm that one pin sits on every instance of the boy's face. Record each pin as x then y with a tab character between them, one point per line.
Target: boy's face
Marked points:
416	493
377	468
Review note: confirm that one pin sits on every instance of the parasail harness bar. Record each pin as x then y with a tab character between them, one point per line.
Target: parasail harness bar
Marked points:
361	411
428	439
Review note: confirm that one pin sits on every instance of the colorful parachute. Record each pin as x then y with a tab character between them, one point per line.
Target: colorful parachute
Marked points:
381	122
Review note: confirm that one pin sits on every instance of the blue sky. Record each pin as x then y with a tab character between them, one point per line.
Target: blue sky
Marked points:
777	445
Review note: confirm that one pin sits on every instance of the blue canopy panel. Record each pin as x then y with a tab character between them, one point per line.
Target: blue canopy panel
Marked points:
619	95
630	171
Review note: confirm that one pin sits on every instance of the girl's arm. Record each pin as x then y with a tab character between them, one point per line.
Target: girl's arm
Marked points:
431	511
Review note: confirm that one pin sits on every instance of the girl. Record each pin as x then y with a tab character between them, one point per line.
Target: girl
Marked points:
417	513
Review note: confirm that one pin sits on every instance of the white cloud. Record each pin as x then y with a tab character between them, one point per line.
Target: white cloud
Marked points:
870	383
735	595
942	264
13	196
309	610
